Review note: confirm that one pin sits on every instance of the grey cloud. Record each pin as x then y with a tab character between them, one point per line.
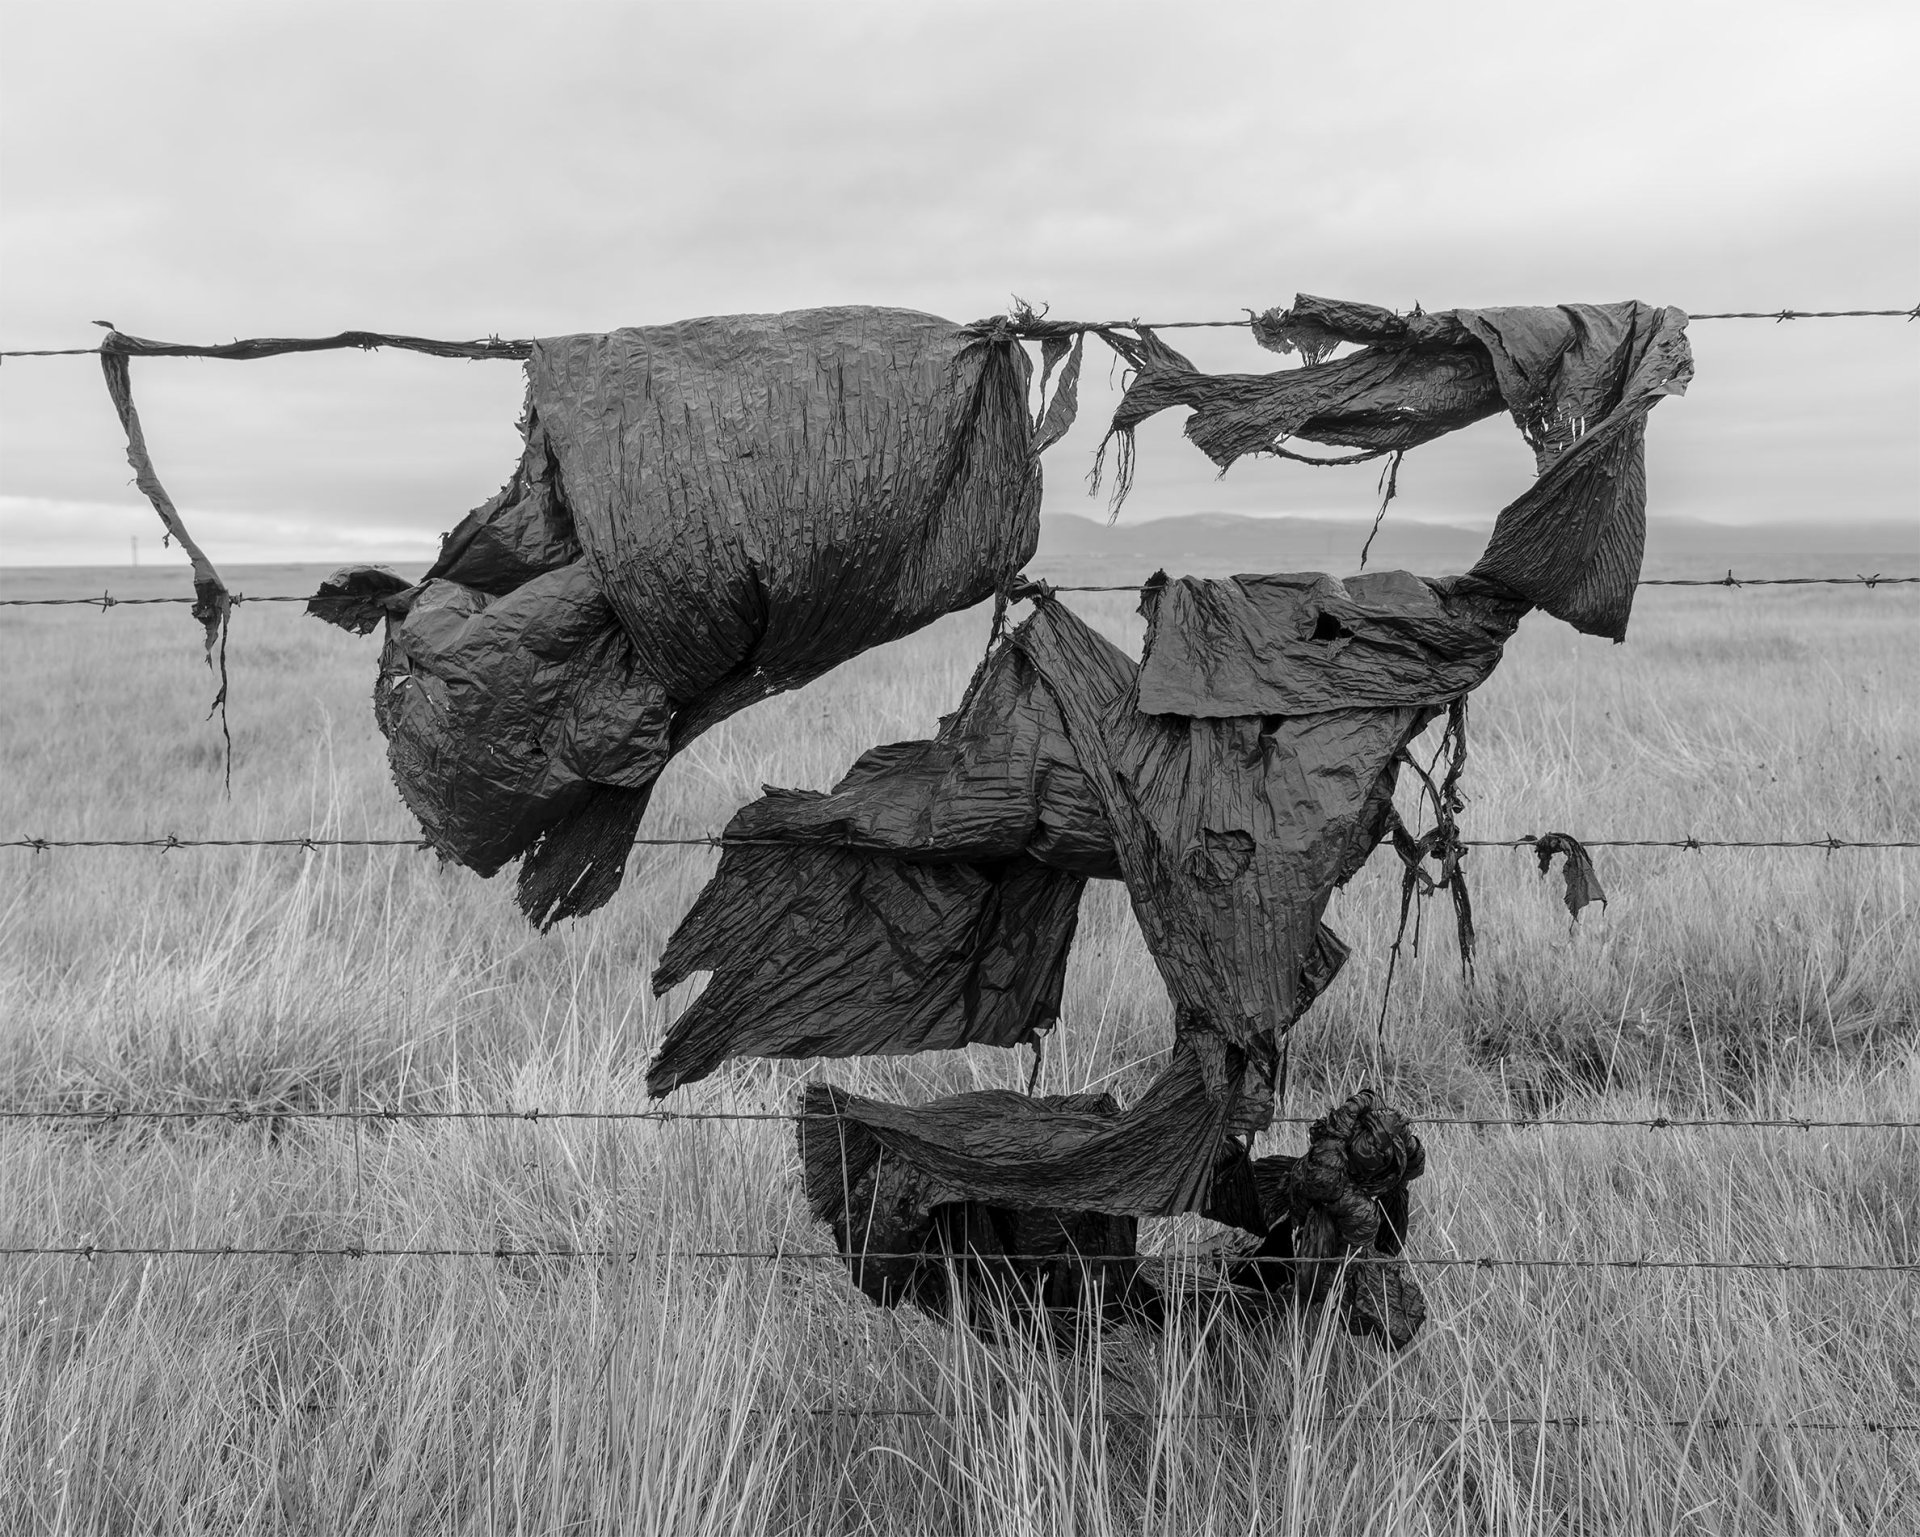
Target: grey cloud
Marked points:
199	171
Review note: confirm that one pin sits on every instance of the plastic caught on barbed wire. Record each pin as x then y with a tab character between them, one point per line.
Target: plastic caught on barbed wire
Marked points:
496	347
1578	380
1232	781
705	514
1231	795
212	602
908	1235
1233	778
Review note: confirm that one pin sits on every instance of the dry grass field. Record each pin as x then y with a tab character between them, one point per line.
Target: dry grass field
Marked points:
661	1393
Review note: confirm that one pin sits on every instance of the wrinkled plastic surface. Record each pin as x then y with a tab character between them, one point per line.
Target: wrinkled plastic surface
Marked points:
908	1239
908	1236
927	901
705	514
503	715
875	918
1578	380
1582	882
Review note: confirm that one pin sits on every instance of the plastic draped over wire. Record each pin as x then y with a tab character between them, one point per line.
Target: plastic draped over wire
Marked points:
1578	380
705	514
929	900
712	512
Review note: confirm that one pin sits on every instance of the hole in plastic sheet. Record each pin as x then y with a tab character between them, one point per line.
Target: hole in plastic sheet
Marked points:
1219	857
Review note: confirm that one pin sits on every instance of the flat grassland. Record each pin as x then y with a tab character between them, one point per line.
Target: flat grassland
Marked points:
674	1394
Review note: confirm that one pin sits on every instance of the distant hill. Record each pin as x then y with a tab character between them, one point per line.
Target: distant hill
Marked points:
1075	549
1225	544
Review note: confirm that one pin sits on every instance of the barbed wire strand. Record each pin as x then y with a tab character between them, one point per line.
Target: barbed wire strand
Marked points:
1729	580
1912	314
393	1114
806	1256
1525	841
107	600
516	350
1351	1418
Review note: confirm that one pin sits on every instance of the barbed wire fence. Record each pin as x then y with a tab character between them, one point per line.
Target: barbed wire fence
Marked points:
97	1116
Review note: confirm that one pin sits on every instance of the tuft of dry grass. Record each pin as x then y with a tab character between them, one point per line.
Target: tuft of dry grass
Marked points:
673	1394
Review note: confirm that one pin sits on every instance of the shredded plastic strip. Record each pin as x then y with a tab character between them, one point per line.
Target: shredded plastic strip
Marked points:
275	346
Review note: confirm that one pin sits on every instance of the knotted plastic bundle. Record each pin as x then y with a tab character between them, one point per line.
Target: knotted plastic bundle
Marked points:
1348	1199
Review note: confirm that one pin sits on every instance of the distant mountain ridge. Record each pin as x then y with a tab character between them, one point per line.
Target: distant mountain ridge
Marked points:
1226	544
1076	549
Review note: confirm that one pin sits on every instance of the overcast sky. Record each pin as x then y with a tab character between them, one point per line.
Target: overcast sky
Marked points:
197	172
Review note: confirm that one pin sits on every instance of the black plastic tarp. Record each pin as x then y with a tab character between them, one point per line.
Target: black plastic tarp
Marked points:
908	1238
711	512
928	900
1578	380
705	514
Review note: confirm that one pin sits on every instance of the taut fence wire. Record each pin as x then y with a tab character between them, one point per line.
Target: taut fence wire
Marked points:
242	1115
168	842
1336	1417
107	600
1912	314
1869	1425
517	350
1729	580
810	1256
